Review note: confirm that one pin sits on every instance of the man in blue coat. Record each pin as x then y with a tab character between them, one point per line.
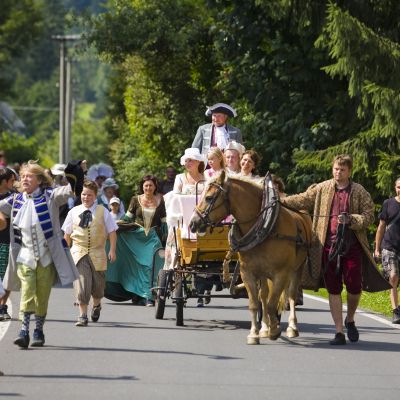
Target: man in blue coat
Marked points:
218	133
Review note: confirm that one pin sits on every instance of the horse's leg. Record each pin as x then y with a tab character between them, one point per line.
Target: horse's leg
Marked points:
292	330
264	290
280	281
252	292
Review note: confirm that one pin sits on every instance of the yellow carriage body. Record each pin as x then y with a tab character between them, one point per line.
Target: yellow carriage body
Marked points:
212	246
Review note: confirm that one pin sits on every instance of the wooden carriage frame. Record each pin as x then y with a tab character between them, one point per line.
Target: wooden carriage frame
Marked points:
203	255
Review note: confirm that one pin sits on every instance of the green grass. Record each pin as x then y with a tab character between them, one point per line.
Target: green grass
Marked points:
376	302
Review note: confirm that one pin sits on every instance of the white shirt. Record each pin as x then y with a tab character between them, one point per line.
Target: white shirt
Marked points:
109	221
221	137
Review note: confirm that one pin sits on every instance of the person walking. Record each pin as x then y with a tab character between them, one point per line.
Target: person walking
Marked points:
38	255
342	211
86	230
387	245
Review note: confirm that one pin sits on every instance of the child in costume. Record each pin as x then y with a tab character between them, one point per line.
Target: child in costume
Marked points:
86	228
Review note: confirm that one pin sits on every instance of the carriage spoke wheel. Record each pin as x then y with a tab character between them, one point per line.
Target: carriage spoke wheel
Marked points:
162	284
179	302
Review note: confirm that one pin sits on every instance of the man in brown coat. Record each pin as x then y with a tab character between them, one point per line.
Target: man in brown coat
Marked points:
342	211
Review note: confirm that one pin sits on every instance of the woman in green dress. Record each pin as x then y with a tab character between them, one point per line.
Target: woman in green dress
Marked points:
141	233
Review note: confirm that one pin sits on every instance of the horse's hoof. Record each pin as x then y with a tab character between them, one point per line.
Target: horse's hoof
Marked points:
274	336
264	333
253	339
292	333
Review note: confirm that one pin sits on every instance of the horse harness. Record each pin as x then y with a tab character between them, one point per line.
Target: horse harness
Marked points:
265	220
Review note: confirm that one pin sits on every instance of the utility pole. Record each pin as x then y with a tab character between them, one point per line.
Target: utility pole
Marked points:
65	97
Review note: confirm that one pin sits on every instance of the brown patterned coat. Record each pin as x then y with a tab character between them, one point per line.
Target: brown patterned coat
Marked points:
317	200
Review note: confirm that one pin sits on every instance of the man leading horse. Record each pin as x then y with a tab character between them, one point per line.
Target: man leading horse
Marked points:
342	211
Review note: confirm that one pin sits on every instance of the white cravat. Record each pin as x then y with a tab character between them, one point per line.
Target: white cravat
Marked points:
221	137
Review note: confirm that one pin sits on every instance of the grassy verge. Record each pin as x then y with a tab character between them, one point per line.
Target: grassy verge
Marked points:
377	302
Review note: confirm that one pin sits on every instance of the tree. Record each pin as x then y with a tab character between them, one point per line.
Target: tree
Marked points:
160	49
368	59
20	23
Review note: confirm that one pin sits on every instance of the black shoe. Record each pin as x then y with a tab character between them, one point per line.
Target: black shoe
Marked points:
200	302
339	339
37	338
22	340
396	316
4	315
95	315
207	299
352	331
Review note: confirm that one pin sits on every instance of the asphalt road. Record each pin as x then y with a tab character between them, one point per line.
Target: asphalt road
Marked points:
129	354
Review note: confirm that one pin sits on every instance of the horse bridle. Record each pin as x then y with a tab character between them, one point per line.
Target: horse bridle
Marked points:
205	215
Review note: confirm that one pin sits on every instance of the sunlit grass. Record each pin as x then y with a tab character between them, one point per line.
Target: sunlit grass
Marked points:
377	302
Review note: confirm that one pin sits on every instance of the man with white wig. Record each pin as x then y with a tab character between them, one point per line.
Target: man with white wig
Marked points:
218	133
233	154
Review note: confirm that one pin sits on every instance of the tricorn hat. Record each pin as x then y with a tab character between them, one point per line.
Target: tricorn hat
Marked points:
221	108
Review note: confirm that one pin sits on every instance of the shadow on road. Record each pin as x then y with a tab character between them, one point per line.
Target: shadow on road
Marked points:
72	376
132	350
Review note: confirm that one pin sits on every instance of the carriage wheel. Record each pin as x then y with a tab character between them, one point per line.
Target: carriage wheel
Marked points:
179	301
161	293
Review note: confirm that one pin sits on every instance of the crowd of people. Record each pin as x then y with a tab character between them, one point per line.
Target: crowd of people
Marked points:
68	224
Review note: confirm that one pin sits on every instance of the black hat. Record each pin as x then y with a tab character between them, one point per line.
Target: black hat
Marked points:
221	108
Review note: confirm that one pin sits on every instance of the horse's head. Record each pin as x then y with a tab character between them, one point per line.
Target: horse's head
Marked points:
214	205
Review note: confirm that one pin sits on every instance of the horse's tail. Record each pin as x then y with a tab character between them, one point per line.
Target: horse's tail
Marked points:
282	299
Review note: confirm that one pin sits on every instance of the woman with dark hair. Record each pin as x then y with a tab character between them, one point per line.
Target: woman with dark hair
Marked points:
249	163
143	230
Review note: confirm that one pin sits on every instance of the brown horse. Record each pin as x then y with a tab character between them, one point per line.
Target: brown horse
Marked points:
278	258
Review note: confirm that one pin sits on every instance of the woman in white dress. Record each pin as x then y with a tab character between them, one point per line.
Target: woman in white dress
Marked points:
193	176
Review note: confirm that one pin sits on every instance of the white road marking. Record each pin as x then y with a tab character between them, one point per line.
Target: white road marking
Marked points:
5	324
367	314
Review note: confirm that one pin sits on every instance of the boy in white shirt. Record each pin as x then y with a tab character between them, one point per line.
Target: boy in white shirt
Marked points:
87	227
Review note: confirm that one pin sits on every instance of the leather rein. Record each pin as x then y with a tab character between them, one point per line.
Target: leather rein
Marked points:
205	215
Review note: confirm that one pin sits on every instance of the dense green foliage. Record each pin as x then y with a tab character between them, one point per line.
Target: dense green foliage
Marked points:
29	79
309	79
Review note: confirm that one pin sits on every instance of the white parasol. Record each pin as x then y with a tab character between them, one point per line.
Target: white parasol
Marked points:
100	169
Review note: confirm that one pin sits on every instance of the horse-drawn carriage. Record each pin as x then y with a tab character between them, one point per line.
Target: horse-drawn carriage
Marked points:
196	255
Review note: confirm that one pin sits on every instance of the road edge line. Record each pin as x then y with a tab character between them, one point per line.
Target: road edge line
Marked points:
368	314
4	325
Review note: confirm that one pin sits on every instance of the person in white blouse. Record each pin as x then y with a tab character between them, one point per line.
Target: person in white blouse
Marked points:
87	228
193	178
